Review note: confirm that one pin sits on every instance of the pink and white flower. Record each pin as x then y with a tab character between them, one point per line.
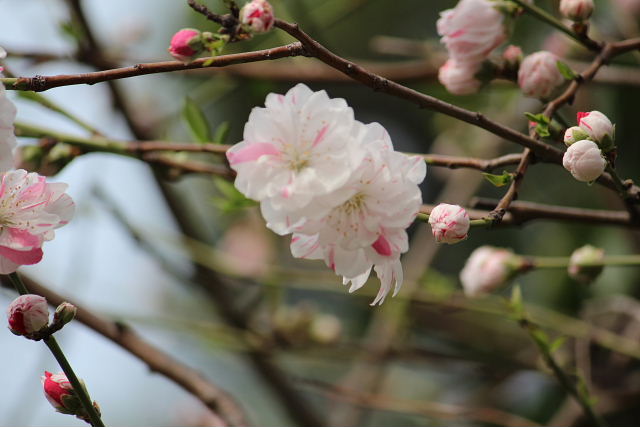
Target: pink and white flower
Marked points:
449	223
471	30
257	16
366	227
28	314
459	79
303	145
59	392
597	126
30	210
7	136
487	269
576	10
186	44
539	76
584	160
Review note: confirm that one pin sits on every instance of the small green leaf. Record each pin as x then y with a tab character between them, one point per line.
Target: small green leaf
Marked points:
221	133
556	344
566	71
499	180
516	300
542	124
196	120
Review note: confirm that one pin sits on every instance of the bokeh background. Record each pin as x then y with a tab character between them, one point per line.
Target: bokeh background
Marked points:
430	356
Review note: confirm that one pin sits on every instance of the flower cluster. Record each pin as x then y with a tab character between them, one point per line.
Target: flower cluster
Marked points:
334	183
470	31
587	144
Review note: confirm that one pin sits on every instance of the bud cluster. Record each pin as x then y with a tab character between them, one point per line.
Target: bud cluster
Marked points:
28	316
588	143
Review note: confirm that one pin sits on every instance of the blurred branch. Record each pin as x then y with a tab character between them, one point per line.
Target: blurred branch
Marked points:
192	381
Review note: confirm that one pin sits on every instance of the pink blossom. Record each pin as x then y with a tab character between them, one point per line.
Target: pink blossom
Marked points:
539	76
581	266
471	30
584	160
597	126
459	79
186	44
58	391
449	223
486	270
7	137
512	55
576	10
28	314
30	210
257	16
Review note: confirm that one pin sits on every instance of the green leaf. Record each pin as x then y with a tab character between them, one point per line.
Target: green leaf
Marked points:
566	71
516	301
221	133
196	120
542	123
231	200
499	180
556	344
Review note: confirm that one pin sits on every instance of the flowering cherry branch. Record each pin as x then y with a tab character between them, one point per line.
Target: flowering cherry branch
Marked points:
89	410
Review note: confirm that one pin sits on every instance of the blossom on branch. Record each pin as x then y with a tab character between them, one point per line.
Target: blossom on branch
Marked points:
30	210
334	182
576	10
449	223
459	79
487	269
581	266
59	392
257	16
186	45
539	76
598	127
28	314
7	137
584	160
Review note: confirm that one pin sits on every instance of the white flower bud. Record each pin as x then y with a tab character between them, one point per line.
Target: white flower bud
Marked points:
576	10
598	127
487	269
573	134
539	76
449	223
579	268
584	160
459	79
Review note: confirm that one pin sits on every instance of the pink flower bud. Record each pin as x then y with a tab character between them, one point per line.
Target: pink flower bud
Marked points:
59	392
186	44
449	223
512	55
584	160
28	314
574	134
597	126
471	30
487	269
539	76
459	78
580	265
257	16
576	10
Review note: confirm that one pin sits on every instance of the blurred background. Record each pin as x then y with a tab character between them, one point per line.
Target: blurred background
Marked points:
189	264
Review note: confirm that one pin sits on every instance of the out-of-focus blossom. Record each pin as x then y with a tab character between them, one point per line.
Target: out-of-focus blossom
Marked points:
487	269
7	136
30	210
512	56
576	10
539	76
449	223
257	16
580	268
584	160
459	79
28	314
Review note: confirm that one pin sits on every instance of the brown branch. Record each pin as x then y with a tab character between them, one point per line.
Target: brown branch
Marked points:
190	166
216	399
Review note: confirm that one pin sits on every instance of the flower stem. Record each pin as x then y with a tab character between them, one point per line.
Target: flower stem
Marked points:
78	388
544	16
581	396
484	222
563	262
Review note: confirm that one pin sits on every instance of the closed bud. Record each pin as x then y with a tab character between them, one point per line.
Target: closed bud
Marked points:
584	160
186	45
28	314
59	393
539	76
64	314
574	134
512	56
576	10
489	268
599	128
257	16
459	79
325	329
581	266
449	223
